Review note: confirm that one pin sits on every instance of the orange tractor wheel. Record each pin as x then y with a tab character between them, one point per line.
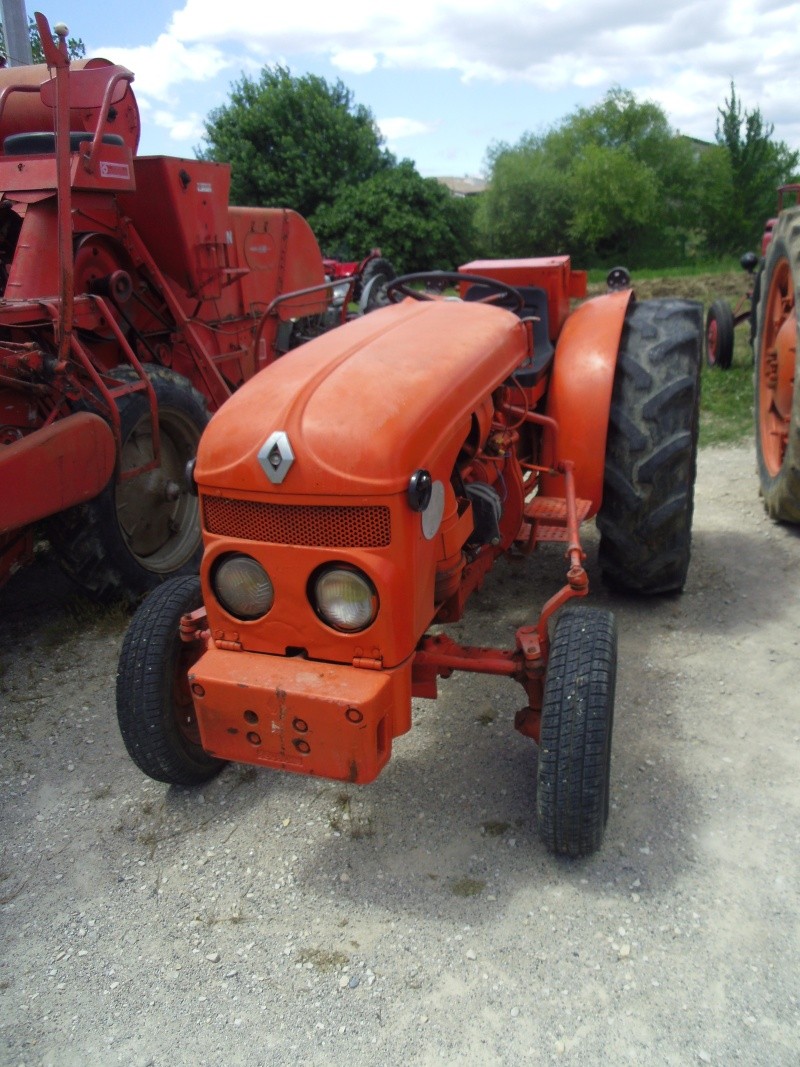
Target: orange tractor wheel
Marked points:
777	403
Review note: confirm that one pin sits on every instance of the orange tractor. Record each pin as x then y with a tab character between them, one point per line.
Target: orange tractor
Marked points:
354	496
133	301
777	388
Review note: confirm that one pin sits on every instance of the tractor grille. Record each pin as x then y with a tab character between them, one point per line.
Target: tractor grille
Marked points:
292	524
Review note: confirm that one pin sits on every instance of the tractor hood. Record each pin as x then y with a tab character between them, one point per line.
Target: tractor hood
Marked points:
357	410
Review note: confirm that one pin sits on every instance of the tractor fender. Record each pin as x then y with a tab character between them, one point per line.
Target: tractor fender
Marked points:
579	395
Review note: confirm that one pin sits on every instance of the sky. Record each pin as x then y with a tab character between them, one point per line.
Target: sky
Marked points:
445	79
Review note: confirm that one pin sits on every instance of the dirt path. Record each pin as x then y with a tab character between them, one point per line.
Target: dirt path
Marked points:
270	919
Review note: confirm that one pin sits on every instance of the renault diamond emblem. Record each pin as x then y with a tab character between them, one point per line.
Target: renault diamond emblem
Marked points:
276	457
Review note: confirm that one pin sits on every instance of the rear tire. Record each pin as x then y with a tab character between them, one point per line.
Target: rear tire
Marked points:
376	276
777	388
572	791
138	533
645	519
154	704
719	335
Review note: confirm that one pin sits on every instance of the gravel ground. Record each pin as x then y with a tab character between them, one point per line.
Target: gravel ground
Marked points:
273	919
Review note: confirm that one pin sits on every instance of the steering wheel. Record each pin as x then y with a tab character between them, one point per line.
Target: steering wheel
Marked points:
436	281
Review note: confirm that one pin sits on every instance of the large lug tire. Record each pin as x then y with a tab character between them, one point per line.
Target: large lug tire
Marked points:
154	704
777	387
139	532
375	277
645	519
719	335
572	790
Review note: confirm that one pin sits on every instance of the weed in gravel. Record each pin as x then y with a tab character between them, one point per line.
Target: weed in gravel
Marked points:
467	887
322	959
343	820
494	829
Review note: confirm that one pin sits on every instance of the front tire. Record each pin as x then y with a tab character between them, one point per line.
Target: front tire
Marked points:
154	704
141	531
645	519
572	791
719	335
777	400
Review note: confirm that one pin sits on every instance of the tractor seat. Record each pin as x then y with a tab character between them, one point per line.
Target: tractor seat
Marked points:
535	307
42	143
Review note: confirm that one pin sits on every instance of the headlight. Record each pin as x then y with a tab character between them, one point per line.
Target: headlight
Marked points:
346	599
243	587
339	294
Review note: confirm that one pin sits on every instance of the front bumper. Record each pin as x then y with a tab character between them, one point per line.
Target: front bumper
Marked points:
293	714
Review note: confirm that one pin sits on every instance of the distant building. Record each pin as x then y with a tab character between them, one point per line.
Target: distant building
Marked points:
464	186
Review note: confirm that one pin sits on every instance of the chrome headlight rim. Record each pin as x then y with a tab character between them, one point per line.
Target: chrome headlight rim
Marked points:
232	599
333	611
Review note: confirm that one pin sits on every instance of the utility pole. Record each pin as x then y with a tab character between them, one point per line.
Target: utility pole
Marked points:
15	25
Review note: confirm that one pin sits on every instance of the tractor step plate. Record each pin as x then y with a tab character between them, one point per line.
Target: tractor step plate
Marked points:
546	519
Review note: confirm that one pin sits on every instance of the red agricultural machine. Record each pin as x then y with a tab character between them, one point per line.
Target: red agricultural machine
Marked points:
133	301
363	282
777	386
354	496
722	319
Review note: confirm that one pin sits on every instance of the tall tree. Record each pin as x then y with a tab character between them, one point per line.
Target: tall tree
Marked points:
293	141
416	221
756	165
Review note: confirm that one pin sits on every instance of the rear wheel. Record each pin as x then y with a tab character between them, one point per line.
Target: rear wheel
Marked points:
154	704
645	519
719	335
777	403
375	277
572	791
140	531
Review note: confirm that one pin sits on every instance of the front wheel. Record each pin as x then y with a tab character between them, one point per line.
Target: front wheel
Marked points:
572	791
155	710
645	519
777	387
140	531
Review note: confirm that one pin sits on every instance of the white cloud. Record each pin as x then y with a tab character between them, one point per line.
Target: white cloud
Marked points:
355	61
180	128
682	54
397	128
168	62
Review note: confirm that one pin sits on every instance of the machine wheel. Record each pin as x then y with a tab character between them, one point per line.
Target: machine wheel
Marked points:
719	335
572	790
645	519
154	705
777	404
375	277
137	533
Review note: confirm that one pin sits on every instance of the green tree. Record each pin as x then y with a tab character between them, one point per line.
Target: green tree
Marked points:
754	165
75	46
293	141
612	182
416	221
